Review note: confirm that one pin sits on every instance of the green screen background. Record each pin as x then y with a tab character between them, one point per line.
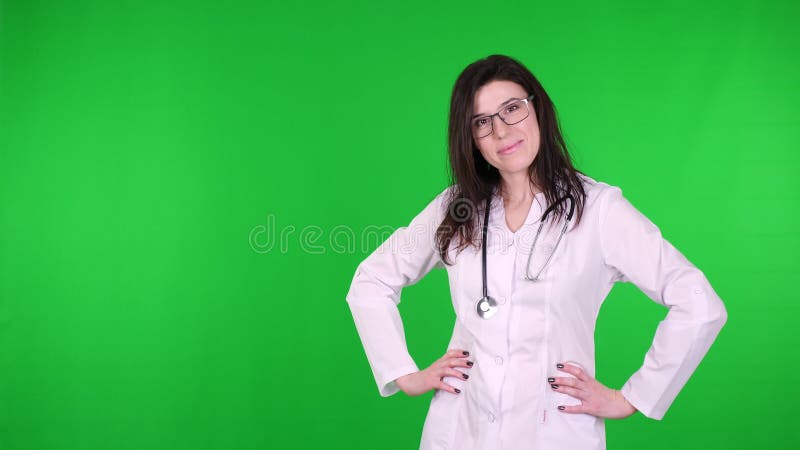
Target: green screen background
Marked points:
149	148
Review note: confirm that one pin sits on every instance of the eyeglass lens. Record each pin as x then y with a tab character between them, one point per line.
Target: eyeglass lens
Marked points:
511	113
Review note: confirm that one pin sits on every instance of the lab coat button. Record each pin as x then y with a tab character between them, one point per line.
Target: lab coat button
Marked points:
502	300
498	360
491	418
698	291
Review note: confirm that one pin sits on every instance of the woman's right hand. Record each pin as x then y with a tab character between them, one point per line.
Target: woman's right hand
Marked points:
423	381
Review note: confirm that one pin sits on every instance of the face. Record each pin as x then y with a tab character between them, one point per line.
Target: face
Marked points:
510	148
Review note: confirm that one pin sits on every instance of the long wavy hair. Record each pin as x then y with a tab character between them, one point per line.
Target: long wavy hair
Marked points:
474	179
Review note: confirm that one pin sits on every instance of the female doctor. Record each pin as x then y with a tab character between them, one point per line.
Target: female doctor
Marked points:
532	247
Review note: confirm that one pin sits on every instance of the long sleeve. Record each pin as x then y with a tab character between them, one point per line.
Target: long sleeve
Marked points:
634	250
402	260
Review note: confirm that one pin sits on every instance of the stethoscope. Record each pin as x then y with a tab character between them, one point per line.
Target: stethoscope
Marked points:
487	306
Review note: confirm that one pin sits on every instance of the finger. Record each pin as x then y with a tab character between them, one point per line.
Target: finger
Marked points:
448	361
568	381
446	387
460	362
448	372
456	374
574	370
443	373
572	392
573	409
456	353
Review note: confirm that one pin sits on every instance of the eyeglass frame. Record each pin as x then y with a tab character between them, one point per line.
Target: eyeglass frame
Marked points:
491	116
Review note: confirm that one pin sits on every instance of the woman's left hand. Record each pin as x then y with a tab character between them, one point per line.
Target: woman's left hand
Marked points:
596	399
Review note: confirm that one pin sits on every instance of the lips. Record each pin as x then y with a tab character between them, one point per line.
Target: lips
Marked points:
509	148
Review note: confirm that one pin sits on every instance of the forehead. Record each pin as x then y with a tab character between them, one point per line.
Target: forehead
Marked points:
491	95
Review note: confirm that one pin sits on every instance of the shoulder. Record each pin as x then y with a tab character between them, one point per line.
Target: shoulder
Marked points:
598	192
604	200
443	199
447	193
610	209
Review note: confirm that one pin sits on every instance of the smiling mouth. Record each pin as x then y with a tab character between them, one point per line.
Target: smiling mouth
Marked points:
510	148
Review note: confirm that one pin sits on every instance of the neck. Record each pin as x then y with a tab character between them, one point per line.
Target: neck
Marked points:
517	188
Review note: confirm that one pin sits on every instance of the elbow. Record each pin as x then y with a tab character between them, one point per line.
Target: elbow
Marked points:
723	315
706	307
717	315
351	294
358	288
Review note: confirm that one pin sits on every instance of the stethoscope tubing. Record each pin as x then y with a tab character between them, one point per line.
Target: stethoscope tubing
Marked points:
560	236
487	306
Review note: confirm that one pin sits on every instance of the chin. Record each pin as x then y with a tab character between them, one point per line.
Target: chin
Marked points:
518	164
513	169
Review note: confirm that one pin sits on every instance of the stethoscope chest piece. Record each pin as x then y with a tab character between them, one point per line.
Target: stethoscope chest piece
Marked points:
487	307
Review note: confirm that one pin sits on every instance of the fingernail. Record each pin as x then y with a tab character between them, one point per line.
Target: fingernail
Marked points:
559	366
466	353
458	391
551	380
554	386
470	363
465	376
561	408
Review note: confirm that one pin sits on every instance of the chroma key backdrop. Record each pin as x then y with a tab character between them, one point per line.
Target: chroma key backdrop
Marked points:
187	187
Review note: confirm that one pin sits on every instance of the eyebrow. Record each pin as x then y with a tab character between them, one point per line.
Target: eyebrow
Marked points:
501	105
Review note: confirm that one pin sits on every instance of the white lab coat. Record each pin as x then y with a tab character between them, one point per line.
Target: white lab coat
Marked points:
507	403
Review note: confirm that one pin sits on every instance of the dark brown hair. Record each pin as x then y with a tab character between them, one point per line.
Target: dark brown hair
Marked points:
474	179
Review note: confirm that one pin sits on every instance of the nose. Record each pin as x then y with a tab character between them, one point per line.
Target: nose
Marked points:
499	128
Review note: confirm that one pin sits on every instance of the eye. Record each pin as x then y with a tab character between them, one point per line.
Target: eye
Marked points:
481	122
512	107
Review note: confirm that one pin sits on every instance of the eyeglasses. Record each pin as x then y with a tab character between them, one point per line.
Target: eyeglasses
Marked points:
514	112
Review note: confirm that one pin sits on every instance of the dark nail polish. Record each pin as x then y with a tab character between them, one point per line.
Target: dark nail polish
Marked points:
551	380
561	408
441	379
470	363
559	366
465	376
554	386
458	391
466	353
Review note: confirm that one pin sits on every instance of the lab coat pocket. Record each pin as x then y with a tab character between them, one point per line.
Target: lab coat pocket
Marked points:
573	431
558	398
438	432
576	421
569	431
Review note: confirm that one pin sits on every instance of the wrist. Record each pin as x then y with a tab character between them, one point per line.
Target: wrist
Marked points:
403	381
628	405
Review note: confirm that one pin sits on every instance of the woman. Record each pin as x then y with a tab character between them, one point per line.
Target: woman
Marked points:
520	370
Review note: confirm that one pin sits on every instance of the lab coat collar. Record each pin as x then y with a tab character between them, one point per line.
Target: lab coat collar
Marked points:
497	213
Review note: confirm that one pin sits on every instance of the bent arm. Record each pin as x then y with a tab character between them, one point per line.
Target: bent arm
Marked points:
402	260
634	250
